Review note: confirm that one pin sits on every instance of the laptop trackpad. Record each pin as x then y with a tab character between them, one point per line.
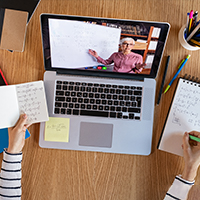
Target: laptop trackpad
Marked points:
96	134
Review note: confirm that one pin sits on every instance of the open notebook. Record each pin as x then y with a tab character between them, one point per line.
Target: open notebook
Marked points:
183	116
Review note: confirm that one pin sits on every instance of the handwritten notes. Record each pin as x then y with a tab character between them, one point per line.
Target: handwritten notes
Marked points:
184	116
70	40
57	130
26	98
32	101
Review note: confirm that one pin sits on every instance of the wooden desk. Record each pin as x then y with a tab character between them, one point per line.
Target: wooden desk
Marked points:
71	175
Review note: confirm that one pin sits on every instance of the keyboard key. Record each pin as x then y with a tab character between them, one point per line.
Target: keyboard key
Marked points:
106	90
139	88
92	101
94	89
106	107
120	86
64	87
60	99
100	108
132	98
86	100
60	93
100	90
138	99
71	88
76	105
96	96
65	105
126	87
67	93
133	87
89	107
124	91
84	84
125	117
73	94
137	118
102	85
85	94
96	84
57	110
90	84
71	83
74	100
98	101
76	88
63	111
104	102
124	109
134	110
118	91
79	94
75	112
126	98
69	111
112	91
116	103
68	99
103	96
131	116
82	89
139	93
120	97
80	100
83	106
118	108
57	104
94	113
114	96
108	86
59	82
88	89
114	86
128	103
108	96
112	108
130	92
91	95
110	102
112	114
119	115
65	82
77	83
133	104
58	87
94	107
71	105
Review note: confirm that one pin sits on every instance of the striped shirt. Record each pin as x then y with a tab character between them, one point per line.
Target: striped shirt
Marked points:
179	189
10	176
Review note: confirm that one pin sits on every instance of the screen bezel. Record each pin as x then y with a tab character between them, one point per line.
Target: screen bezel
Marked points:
165	27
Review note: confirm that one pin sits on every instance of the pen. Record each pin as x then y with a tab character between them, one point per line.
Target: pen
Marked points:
163	80
194	138
190	22
179	69
193	32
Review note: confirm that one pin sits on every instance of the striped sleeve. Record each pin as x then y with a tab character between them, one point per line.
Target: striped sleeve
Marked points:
10	176
179	189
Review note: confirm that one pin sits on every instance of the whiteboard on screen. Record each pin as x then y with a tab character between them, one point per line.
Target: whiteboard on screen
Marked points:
71	40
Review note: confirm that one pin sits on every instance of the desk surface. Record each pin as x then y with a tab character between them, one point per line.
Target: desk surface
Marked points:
59	174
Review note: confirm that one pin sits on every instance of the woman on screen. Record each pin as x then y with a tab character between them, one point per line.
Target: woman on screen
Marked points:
125	61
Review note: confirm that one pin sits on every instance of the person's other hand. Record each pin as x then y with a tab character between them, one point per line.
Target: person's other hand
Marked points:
140	66
17	135
93	53
191	151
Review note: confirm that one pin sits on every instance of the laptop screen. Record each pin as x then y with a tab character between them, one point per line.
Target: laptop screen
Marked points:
102	46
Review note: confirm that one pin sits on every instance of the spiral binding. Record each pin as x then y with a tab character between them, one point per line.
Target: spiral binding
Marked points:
193	79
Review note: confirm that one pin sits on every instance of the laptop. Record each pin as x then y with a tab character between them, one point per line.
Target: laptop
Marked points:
106	110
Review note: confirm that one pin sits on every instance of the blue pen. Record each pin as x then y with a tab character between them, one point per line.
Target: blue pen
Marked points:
179	69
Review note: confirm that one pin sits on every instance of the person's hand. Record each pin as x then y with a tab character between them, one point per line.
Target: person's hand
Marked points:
17	135
191	151
140	66
93	53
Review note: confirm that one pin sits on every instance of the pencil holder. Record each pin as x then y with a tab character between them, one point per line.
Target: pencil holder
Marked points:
182	40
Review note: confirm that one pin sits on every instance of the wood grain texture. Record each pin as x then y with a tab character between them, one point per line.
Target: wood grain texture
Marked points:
61	175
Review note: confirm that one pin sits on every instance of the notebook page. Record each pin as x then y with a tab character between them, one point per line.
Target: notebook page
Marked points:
9	110
32	101
184	116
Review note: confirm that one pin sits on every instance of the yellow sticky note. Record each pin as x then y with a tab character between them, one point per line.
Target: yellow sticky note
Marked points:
57	130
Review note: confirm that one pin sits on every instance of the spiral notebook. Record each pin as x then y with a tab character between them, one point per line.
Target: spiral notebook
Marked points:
183	115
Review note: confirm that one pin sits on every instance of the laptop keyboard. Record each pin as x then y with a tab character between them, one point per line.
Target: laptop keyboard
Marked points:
97	99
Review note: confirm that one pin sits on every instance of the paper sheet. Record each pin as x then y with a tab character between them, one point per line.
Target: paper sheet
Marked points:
57	130
183	116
